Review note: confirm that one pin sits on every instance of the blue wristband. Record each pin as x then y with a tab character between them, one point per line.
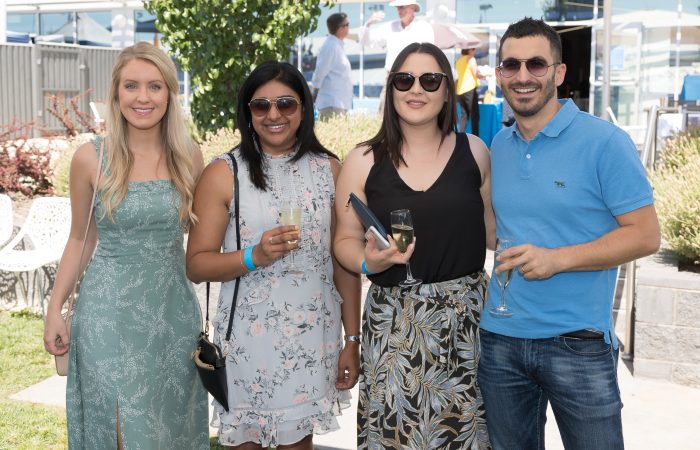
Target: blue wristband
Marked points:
363	267
248	258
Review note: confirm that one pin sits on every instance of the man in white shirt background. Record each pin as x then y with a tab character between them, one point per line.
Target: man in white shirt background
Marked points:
397	34
331	80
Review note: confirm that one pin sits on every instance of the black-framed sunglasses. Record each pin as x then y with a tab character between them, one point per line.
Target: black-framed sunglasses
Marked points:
536	66
429	81
285	105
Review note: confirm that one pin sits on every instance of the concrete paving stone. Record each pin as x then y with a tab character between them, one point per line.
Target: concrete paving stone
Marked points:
688	308
656	414
667	343
654	305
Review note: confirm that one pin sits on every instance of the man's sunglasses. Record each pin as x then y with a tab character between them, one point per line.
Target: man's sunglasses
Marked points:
429	81
285	105
536	66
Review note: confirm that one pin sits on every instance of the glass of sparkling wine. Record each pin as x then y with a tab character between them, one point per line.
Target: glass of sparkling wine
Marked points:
503	278
291	215
402	232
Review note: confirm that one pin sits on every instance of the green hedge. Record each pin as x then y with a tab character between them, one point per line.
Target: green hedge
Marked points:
340	134
677	192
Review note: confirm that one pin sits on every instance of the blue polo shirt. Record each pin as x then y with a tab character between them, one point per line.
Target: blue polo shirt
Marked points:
564	187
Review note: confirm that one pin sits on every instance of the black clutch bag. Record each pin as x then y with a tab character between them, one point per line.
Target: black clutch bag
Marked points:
211	365
208	357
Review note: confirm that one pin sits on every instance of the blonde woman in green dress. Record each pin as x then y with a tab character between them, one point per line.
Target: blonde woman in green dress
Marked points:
131	383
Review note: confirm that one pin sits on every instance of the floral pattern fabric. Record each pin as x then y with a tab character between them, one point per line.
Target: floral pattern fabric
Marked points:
420	350
283	354
134	329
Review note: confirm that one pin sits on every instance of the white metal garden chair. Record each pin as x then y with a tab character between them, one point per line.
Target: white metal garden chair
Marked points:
6	218
47	228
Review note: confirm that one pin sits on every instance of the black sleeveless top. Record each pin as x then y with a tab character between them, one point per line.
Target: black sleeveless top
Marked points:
448	218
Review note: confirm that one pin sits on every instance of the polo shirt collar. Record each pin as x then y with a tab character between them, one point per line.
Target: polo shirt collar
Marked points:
561	120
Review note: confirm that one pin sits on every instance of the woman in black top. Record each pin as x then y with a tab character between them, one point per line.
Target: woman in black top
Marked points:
420	345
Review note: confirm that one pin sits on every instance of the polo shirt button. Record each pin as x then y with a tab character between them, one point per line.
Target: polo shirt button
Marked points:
528	156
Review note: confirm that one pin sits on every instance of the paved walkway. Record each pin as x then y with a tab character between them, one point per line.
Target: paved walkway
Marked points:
656	415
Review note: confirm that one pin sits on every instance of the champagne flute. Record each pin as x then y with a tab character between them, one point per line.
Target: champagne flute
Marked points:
402	232
503	278
290	214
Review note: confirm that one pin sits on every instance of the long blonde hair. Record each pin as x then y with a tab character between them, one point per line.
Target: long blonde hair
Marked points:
177	143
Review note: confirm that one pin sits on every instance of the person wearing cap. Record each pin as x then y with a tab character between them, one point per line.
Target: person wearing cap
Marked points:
332	83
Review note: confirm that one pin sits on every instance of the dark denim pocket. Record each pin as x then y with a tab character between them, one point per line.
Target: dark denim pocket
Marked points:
585	347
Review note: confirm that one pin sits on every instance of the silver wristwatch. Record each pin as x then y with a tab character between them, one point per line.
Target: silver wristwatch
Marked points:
352	338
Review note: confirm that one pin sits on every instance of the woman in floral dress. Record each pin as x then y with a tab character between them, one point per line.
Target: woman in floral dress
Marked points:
288	371
131	383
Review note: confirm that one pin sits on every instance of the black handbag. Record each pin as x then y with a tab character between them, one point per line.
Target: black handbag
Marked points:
208	357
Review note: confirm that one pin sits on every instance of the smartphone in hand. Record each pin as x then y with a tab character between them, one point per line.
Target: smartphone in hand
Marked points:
382	242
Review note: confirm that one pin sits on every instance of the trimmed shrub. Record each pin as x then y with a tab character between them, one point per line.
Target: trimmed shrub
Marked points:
677	192
342	133
681	149
339	134
25	168
62	169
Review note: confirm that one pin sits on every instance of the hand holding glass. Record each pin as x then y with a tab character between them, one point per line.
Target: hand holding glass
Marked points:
402	232
503	278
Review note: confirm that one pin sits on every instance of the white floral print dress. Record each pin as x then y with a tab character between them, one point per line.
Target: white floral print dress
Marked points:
283	353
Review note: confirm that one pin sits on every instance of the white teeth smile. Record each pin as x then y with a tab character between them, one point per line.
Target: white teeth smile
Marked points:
143	111
524	91
275	127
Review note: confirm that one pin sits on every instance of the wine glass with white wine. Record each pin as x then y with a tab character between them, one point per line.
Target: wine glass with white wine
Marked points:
402	232
290	214
503	278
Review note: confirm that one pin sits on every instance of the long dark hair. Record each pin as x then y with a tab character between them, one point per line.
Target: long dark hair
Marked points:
389	139
307	141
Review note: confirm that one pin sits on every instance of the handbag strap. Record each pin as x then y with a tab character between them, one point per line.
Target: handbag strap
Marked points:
71	302
236	210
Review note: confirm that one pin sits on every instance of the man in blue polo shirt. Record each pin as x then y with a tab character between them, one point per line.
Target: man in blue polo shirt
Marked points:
570	191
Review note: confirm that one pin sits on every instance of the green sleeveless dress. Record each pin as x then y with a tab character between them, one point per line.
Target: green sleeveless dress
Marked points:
134	328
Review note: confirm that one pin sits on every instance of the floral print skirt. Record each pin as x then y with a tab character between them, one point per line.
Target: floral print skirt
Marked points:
420	351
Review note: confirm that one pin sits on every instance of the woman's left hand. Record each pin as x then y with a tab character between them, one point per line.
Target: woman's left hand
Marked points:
348	366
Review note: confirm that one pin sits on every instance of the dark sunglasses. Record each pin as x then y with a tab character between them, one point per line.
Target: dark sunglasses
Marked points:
536	66
285	105
429	81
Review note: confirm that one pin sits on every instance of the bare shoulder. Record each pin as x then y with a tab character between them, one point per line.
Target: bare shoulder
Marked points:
85	157
336	165
215	170
361	156
481	154
479	150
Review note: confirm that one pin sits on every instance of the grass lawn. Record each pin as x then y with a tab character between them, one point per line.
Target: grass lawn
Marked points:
24	362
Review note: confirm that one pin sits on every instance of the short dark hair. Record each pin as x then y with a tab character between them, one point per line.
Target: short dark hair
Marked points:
388	140
528	27
334	21
307	141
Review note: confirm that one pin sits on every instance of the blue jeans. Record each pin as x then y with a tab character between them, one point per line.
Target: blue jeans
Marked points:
579	377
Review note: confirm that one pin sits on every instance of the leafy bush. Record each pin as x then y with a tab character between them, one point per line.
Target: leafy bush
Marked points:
677	191
25	168
681	148
342	133
62	169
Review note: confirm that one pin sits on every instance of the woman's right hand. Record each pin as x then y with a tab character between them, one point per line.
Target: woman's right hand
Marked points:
56	339
377	260
275	243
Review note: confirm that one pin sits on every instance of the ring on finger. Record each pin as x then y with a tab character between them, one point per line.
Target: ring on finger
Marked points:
522	269
269	240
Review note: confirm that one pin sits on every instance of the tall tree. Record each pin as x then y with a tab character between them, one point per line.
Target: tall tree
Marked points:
220	41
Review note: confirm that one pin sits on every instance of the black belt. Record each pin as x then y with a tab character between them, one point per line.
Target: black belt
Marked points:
586	335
